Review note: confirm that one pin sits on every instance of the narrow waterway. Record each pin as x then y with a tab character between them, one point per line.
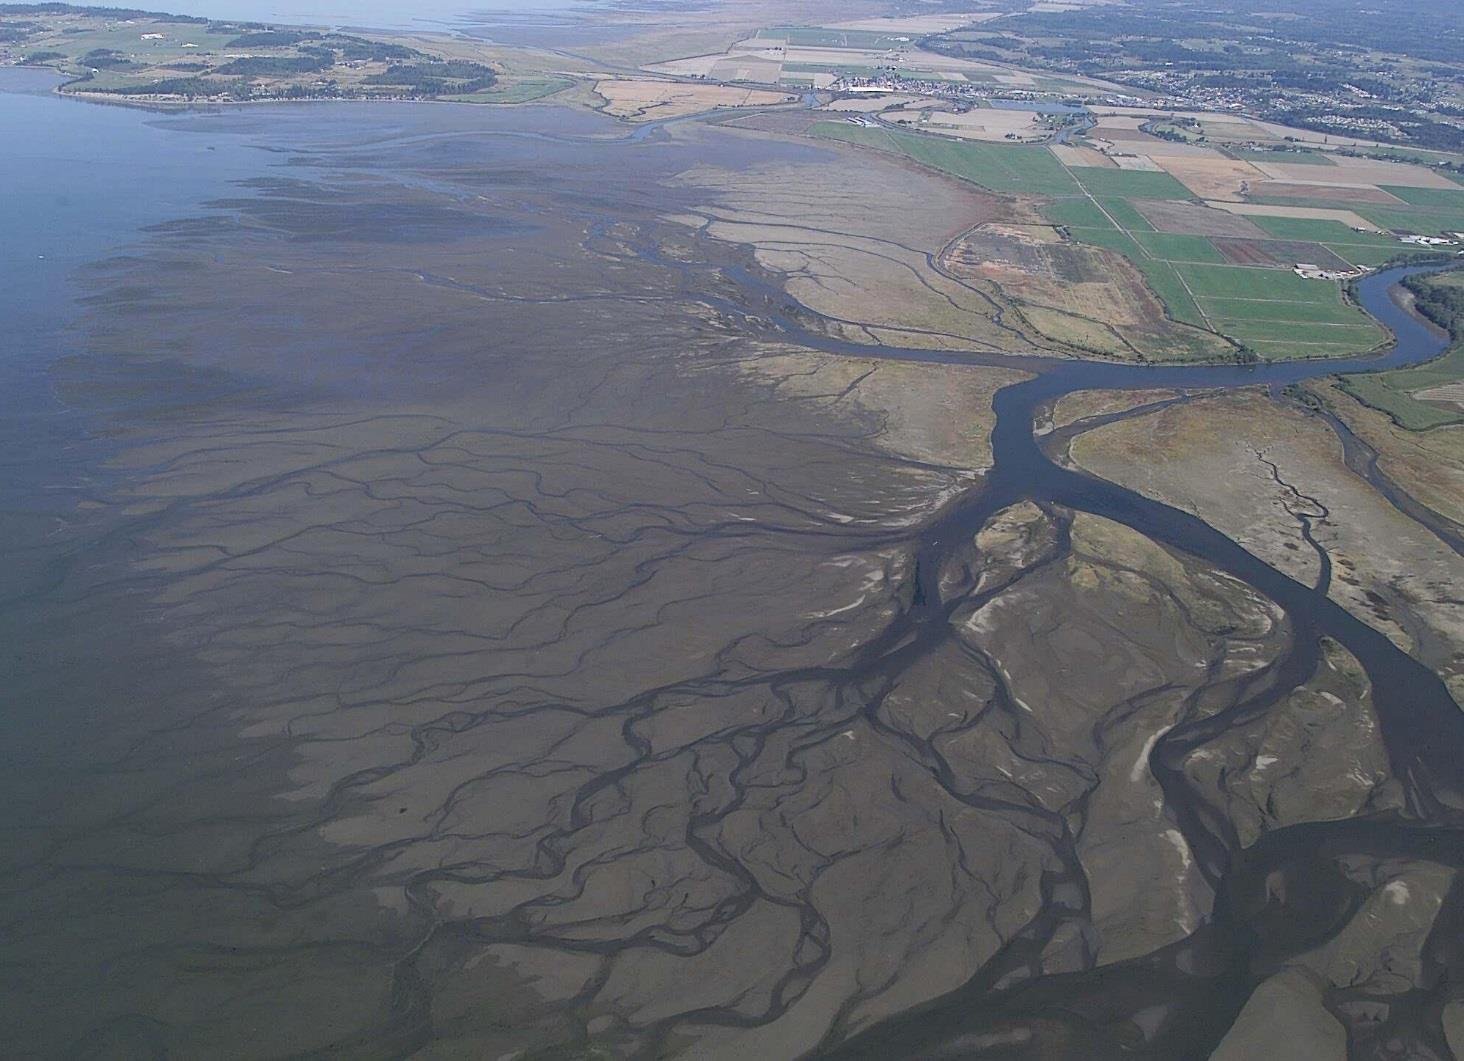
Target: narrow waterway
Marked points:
1202	983
1199	983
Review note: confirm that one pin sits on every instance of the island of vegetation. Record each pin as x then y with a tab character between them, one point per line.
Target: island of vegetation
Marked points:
150	56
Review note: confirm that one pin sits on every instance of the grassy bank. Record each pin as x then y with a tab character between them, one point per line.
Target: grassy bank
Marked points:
1440	298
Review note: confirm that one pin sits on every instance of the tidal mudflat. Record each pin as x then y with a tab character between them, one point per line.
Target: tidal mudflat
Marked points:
470	579
525	591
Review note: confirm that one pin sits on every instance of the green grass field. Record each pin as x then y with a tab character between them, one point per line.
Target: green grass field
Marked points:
1124	212
1425	221
1392	392
1161	276
1445	199
1241	309
1389	391
846	69
1176	248
1077	213
1312	230
1347	336
1008	168
1272	285
1129	183
1374	256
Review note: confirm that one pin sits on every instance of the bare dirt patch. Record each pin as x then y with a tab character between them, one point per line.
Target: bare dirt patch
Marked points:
1108	132
1343	193
644	100
1277	253
987	123
1211	178
1452	393
1314	213
1360	171
1191	220
1081	156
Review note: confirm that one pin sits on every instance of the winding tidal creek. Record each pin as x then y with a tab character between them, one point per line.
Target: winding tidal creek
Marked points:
460	604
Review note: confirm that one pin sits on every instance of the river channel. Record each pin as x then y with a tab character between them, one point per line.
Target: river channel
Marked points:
419	174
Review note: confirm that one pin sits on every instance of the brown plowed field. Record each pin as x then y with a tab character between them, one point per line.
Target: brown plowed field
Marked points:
1211	178
1108	132
1277	252
1190	220
1341	193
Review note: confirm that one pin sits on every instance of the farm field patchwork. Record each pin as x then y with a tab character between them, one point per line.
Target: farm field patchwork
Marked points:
820	55
1239	285
1210	268
1216	228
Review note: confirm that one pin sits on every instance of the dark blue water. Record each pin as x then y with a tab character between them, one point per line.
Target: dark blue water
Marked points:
80	183
81	179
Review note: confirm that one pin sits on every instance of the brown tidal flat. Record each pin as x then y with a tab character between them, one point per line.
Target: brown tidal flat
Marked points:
510	622
1275	479
495	602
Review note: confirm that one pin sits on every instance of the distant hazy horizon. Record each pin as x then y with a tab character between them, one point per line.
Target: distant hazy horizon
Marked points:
384	14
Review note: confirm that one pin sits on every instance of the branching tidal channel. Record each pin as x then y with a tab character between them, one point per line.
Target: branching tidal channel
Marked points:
497	618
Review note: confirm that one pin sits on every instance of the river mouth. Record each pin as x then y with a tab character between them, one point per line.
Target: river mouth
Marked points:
483	625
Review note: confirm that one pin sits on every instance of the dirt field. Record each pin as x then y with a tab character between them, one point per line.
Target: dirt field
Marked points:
1359	171
1169	149
762	59
1277	252
1219	127
1211	178
1312	213
738	68
1135	162
1120	135
1121	121
1081	156
1190	220
1452	393
1230	128
981	124
1343	193
643	100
